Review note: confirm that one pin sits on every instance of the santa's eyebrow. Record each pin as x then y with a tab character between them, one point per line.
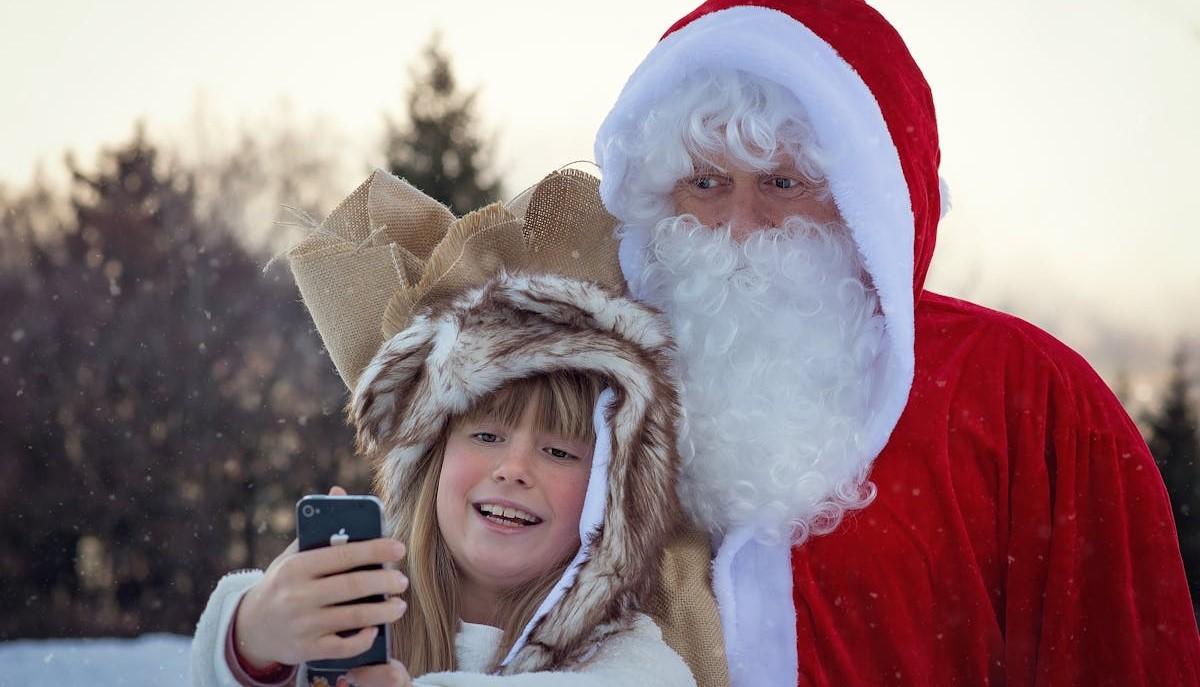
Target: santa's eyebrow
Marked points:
784	170
702	167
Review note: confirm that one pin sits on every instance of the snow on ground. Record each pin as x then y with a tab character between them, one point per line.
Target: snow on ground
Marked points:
153	660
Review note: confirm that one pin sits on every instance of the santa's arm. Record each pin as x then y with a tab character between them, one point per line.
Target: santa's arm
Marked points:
1095	591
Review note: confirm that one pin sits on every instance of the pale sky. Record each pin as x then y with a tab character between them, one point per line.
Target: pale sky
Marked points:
1069	130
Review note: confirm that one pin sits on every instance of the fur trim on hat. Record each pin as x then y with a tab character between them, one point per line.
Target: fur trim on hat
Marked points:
517	326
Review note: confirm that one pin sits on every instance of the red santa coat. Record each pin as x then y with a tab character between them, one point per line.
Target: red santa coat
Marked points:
1021	534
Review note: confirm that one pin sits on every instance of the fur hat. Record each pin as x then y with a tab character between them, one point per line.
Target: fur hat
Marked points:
517	326
462	307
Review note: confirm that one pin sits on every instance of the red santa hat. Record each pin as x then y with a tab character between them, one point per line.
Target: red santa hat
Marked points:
872	113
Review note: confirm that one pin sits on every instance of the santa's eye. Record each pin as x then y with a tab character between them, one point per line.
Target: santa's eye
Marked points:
785	183
702	182
790	185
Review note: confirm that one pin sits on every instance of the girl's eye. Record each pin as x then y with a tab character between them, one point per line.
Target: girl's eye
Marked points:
559	454
486	437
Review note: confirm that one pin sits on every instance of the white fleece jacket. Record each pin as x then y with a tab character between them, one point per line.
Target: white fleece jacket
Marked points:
638	656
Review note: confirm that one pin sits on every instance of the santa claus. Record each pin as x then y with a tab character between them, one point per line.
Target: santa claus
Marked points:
945	493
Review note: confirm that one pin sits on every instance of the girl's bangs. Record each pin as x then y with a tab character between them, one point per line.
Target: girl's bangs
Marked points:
564	403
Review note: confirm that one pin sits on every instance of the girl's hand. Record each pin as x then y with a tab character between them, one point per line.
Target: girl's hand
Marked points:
390	674
292	616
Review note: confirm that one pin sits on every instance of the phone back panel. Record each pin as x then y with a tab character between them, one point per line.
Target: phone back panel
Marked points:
358	518
328	521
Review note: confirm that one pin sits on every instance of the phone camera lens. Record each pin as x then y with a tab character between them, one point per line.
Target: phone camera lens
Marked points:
307	511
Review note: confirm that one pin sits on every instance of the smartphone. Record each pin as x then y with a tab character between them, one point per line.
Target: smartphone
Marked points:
332	521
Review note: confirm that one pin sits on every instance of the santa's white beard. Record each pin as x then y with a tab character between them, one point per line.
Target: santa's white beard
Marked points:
776	336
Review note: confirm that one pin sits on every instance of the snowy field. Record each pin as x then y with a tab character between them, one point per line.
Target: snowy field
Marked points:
156	660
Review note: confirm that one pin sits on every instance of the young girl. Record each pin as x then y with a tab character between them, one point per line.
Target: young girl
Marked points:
522	434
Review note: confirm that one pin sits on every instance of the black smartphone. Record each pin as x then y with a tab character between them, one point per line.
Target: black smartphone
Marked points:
332	521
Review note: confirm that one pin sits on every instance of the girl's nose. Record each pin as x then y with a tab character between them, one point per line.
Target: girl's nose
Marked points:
513	467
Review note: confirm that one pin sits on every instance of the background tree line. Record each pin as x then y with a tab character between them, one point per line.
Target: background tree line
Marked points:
165	402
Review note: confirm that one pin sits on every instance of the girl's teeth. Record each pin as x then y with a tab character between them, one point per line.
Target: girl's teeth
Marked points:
509	513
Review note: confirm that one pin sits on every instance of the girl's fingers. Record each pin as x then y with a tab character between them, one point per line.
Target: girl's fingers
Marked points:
330	560
336	589
390	674
285	555
332	646
353	616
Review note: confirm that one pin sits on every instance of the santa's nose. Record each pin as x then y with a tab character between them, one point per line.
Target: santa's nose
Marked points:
748	212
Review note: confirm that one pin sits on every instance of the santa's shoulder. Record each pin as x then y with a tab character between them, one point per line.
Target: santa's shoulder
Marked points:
1000	351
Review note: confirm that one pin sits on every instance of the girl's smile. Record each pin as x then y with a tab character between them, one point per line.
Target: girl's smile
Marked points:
507	515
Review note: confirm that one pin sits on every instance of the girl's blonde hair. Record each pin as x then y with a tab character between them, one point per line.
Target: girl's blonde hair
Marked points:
423	639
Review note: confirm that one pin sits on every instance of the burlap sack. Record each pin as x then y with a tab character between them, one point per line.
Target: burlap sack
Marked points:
684	608
564	230
389	250
373	244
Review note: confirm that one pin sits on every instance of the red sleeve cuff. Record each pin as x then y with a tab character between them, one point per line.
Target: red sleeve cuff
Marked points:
277	675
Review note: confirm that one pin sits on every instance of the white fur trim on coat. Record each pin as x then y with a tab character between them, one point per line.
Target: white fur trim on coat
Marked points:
637	657
208	665
752	582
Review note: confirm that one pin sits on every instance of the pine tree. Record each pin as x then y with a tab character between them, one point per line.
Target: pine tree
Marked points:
439	149
168	404
1173	441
